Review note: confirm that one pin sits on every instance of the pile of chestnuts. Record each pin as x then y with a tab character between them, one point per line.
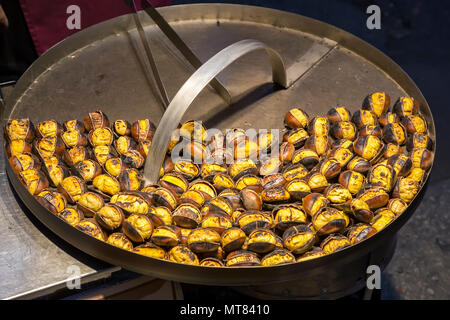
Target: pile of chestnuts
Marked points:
336	181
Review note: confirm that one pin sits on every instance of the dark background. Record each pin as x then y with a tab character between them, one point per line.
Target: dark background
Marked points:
415	34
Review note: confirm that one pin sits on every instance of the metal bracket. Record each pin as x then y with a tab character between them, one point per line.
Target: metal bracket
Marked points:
190	90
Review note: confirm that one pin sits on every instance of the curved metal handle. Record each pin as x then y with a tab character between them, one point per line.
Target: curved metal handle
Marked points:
192	87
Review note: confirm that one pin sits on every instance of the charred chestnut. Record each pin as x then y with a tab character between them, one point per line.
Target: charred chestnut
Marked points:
383	176
317	182
91	228
417	174
361	210
89	203
391	149
74	125
363	118
133	159
24	161
233	196
414	124
287	150
251	199
48	128
182	254
211	262
377	102
107	184
174	182
314	202
394	133
16	147
102	153
151	250
52	201
358	164
422	158
419	140
343	130
406	189
166	236
369	147
406	106
330	168
318	126
74	138
122	128
374	130
240	258
401	164
131	202
49	146
251	220
19	129
232	239
222	181
375	197
342	155
387	118
270	166
194	131
382	218
275	195
318	144
71	216
87	170
193	197
288	215
164	197
360	232
313	254
123	144
187	216
308	158
277	257
120	240
204	187
211	169
338	195
187	168
298	189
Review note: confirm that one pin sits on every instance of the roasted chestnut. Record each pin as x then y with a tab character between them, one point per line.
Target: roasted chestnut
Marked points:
193	197
73	138
48	129
123	144
114	166
137	227
334	242
352	180
211	262
240	258
298	189
101	137
89	203
72	188
383	176
273	180
310	255
24	161
317	182
16	147
330	168
414	124
382	218
197	152
339	114
286	150
313	203
71	216
19	129
174	182
222	181
360	232
342	143
187	168
318	126
91	228
74	125
249	181
343	130
401	164
377	102
95	120
261	241
217	221
166	236
419	140
143	147
294	171
392	149
143	130
417	174
74	155
151	250
397	206
277	257
394	133
342	155
318	144
387	118
270	166
329	220
52	201
110	217
363	118
275	195
107	184
406	106
218	204
87	170
299	239
308	158
296	118
233	196
375	197
374	130
133	158
56	174
49	146
121	128
205	188
421	158
131	202
288	215
102	153
251	220
187	216
164	197
160	216
361	210
203	240
358	164
338	195
211	169
182	254
406	189
369	147
251	199
194	130
232	239
120	240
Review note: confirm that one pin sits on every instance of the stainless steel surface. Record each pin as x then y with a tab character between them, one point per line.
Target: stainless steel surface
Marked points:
151	60
342	75
180	45
190	90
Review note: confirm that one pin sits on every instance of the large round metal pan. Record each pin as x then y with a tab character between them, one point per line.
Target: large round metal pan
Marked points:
104	67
